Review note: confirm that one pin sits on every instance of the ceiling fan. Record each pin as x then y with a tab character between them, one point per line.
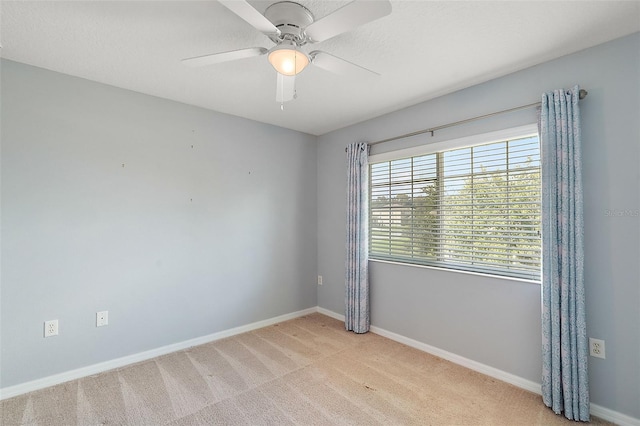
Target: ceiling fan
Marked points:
291	26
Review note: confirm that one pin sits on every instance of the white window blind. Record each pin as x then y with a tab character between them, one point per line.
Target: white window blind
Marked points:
475	209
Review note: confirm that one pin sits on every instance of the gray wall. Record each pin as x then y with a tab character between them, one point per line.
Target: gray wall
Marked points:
182	242
179	242
497	321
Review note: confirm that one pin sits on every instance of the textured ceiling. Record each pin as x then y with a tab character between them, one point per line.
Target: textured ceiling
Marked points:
422	50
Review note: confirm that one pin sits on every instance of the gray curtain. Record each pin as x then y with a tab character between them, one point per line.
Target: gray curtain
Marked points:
357	279
565	383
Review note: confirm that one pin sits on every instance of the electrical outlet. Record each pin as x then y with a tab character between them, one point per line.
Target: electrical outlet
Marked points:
596	348
319	279
102	318
50	328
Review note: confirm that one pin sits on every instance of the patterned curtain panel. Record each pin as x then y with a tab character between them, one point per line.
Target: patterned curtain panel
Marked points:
357	279
565	384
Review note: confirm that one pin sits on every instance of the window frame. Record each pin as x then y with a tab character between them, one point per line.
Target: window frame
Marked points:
508	134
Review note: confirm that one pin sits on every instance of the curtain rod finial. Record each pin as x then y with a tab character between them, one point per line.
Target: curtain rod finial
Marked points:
583	94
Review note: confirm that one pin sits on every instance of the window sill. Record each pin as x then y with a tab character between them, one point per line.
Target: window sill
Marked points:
522	280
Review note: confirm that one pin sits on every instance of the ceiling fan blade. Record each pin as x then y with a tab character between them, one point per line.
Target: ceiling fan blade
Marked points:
251	15
352	15
285	88
337	65
217	58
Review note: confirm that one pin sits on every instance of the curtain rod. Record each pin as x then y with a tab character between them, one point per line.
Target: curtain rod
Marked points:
583	94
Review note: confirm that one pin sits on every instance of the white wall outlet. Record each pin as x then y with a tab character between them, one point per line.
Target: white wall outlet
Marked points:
596	348
319	279
102	318
50	328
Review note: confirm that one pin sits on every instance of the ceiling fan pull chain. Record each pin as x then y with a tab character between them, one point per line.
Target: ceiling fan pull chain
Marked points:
281	94
295	88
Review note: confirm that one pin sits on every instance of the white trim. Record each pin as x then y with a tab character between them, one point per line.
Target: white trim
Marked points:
331	314
460	360
613	416
456	271
497	136
9	392
595	410
78	373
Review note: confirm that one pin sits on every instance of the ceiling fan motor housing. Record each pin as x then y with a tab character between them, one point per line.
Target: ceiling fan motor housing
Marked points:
291	19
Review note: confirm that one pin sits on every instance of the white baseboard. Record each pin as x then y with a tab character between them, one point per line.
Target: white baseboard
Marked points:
56	379
331	314
460	360
595	410
613	416
11	391
456	359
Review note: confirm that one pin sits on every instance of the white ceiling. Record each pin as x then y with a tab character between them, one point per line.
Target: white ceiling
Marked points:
423	49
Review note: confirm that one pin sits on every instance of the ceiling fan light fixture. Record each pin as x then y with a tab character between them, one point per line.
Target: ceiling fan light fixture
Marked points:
287	59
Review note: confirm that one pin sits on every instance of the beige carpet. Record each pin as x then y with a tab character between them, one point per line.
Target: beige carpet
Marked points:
307	371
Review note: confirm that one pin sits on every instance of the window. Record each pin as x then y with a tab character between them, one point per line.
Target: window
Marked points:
473	208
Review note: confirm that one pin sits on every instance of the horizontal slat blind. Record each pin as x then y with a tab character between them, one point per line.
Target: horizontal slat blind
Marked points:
475	209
